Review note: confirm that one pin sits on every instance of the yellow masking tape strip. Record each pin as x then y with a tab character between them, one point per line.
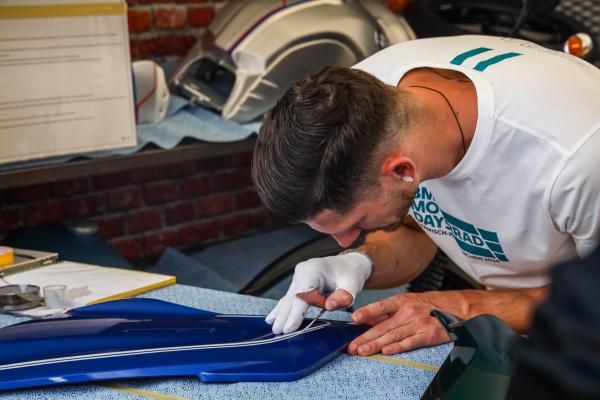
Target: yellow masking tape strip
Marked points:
7	256
135	292
407	363
62	10
145	393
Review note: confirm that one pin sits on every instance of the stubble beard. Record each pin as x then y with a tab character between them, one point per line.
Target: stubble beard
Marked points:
407	197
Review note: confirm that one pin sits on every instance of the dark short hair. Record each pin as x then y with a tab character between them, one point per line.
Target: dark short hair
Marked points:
315	147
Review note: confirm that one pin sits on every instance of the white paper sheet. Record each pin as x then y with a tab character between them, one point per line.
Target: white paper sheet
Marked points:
65	79
87	284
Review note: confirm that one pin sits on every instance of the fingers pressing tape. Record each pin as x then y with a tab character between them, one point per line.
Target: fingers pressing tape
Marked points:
275	311
281	318
271	316
296	316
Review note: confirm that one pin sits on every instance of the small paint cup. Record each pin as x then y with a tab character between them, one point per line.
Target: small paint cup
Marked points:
54	295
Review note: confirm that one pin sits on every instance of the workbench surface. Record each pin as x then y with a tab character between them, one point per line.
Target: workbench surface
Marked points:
404	376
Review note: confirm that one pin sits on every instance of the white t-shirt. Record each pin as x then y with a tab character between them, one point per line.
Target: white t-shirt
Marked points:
527	193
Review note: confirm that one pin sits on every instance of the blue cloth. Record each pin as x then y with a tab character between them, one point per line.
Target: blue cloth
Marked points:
187	120
184	120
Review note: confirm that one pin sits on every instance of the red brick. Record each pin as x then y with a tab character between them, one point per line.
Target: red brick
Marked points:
191	1
156	243
139	20
71	187
265	219
112	227
183	44
144	220
180	213
161	46
147	174
133	49
201	16
87	205
240	160
214	205
130	248
27	193
170	17
9	219
194	187
180	169
107	181
131	3
125	199
198	233
397	5
154	1
156	46
238	223
247	199
213	164
160	193
235	179
44	212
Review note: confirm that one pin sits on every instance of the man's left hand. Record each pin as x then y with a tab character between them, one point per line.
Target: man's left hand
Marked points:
400	323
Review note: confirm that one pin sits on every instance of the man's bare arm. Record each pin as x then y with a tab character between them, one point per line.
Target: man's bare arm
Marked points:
402	322
513	306
398	256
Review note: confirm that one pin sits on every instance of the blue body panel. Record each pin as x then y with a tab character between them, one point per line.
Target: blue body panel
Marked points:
149	338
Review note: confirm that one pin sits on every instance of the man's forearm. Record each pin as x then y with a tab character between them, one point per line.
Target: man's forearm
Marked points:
513	306
398	256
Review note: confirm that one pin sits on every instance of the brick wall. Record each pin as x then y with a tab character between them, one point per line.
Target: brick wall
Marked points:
164	29
142	211
167	29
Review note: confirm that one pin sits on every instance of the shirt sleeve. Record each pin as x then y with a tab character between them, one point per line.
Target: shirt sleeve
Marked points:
575	196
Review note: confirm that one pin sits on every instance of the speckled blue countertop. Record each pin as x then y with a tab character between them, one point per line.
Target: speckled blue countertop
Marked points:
404	376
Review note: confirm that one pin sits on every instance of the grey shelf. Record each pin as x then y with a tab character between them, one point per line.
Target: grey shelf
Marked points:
144	158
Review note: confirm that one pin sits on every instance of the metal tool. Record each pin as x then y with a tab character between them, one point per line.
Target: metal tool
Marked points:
311	323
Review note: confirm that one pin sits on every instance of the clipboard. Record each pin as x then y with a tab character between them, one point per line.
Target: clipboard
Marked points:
27	259
86	283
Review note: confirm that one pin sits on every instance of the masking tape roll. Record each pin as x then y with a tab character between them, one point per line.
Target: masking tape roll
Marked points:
7	256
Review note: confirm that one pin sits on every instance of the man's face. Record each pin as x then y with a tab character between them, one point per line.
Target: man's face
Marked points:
385	212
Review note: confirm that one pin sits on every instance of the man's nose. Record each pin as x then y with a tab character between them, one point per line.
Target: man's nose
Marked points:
346	239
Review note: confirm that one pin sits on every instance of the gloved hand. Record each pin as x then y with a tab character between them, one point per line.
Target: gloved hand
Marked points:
344	272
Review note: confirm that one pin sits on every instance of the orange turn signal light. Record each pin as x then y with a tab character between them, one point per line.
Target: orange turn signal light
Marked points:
579	45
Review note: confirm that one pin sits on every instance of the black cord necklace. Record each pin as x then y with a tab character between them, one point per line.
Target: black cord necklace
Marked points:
462	135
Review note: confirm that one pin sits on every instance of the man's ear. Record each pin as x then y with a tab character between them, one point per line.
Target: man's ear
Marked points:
397	167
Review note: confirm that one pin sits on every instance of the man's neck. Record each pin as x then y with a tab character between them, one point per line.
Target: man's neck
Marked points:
446	102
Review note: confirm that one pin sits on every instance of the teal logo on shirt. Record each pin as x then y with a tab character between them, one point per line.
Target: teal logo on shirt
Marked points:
482	65
475	242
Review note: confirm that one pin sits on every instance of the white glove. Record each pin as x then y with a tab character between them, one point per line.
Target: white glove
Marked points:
347	271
